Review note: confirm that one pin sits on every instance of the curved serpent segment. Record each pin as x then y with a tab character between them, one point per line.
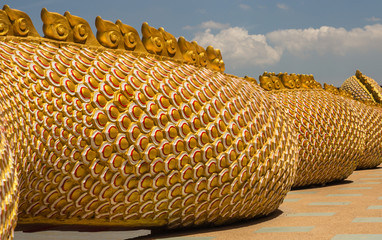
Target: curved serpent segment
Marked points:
331	137
126	136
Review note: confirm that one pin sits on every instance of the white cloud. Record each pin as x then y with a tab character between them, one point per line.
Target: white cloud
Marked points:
282	6
239	48
324	40
373	19
244	6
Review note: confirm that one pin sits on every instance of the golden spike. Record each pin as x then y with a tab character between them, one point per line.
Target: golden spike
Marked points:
171	45
82	32
5	24
152	39
108	34
202	54
188	51
215	58
131	38
21	22
56	26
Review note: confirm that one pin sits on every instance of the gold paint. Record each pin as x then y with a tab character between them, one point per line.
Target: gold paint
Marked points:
114	112
180	146
202	54
82	32
171	46
188	51
215	59
108	34
183	175
21	22
153	40
91	155
167	149
56	26
173	132
5	24
165	102
131	38
148	123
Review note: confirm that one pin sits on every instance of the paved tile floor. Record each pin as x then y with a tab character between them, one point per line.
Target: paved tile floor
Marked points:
347	210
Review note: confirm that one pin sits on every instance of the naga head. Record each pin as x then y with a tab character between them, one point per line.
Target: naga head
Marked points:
5	24
82	32
215	58
56	26
21	23
153	40
131	38
266	83
276	82
108	34
202	54
171	45
287	81
188	51
296	79
305	81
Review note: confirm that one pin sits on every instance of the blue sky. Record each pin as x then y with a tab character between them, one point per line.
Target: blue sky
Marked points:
328	38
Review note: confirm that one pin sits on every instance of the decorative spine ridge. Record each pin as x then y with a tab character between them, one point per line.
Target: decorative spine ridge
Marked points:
271	81
70	28
375	91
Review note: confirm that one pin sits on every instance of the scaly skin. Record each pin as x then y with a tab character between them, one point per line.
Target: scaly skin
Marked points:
106	137
330	136
366	89
371	120
8	188
330	131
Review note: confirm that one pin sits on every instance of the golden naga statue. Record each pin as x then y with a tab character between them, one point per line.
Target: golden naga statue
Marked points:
329	130
363	88
367	92
111	133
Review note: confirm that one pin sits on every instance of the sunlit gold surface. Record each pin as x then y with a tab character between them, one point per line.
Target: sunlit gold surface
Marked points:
112	137
329	131
147	143
8	187
365	89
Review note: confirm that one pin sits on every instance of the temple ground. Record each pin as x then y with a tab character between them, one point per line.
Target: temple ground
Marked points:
346	210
